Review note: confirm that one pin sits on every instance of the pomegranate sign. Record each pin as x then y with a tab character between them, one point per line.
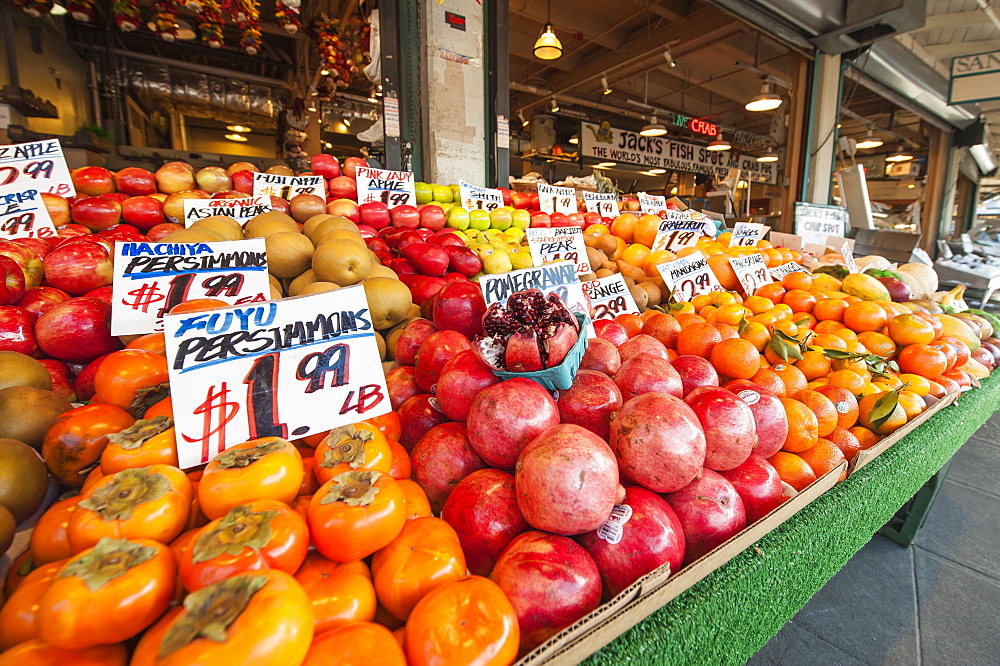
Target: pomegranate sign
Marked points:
39	165
23	214
286	369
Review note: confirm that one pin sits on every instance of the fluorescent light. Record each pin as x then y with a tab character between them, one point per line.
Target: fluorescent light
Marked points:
236	137
238	128
653	128
606	164
765	101
718	143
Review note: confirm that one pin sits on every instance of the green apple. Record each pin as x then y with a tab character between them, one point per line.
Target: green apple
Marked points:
497	262
479	219
457	218
521	218
425	192
456	193
501	218
443	193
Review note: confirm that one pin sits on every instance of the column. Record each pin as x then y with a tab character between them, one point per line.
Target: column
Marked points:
824	113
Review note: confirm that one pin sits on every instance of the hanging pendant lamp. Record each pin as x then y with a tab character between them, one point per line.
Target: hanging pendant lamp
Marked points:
548	46
718	143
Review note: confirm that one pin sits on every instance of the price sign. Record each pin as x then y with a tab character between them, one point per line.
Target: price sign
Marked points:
287	187
814	222
151	278
558	244
690	276
751	271
393	188
241	210
650	204
558	278
38	165
781	271
848	253
610	297
553	199
23	214
475	197
287	368
746	234
604	204
678	230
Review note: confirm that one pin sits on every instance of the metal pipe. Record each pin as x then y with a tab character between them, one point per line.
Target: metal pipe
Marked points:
543	92
215	71
990	14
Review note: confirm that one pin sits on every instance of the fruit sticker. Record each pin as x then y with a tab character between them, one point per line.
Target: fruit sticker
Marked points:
689	276
610	297
746	234
287	368
552	199
241	210
151	278
393	188
552	244
287	187
650	204
613	528
604	204
23	214
39	165
781	271
679	229
751	271
475	197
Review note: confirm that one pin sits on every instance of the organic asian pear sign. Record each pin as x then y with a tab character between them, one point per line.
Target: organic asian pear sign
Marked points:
287	368
242	210
475	197
393	188
38	165
604	142
23	213
550	244
604	204
287	187
610	297
151	278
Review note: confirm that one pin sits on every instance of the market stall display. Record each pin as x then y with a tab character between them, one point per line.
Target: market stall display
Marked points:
451	506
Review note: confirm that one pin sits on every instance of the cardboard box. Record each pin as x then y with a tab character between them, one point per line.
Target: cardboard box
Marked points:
654	590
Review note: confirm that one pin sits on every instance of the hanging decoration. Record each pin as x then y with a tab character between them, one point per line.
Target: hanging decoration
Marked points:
209	21
287	13
81	10
35	8
126	14
332	55
247	19
164	22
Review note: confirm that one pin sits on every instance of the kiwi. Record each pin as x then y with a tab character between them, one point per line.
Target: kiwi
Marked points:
24	479
289	254
17	369
27	412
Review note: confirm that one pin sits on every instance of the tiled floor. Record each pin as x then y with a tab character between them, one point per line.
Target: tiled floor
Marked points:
937	602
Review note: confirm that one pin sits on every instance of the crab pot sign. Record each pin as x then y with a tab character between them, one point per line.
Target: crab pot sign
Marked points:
286	368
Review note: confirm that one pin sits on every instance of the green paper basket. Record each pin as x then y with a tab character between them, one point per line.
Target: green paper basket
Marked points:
560	377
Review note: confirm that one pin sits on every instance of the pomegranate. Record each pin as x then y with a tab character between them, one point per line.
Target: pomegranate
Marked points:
758	485
647	373
460	381
644	535
530	332
418	415
768	414
441	459
695	371
436	350
551	581
409	342
506	416
658	442
484	512
601	356
643	344
402	385
710	511
730	430
612	331
566	480
459	306
590	402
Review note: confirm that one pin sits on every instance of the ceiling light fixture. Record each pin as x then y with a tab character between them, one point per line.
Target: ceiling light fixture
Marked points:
58	10
312	107
524	121
324	72
718	143
910	186
372	99
606	89
237	128
765	101
236	137
347	121
185	32
605	165
901	155
769	156
328	144
669	57
653	128
870	141
548	46
657	172
574	139
554	106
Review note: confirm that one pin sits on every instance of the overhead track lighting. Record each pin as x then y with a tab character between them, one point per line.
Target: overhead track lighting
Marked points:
901	155
606	89
524	121
653	128
656	172
669	57
58	10
236	137
870	141
548	46
718	143
574	139
238	128
765	101
606	164
554	106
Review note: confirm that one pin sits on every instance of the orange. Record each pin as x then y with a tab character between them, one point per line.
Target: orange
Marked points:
758	304
843	401
846	334
686	319
735	358
846	441
726	331
826	326
645	229
797	280
829	341
701	301
596	230
632	324
663	327
866	437
757	334
814	364
878	344
635	254
804	320
910	329
731	314
773	291
824	409
803	426
916	384
698	339
896	419
923	360
799	300
865	316
824	457
792	377
856	365
624	226
708	313
769	379
792	469
719	263
912	404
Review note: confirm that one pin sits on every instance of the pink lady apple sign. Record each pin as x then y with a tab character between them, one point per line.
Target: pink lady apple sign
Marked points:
241	210
287	187
151	278
37	165
393	188
287	368
610	297
23	213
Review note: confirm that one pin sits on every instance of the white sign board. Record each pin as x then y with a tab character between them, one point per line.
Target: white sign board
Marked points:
553	244
814	222
650	204
604	204
689	276
558	278
287	187
746	234
475	197
552	199
974	77
287	368
610	297
241	210
39	165
678	230
151	278
848	253
751	271
23	213
781	271
393	188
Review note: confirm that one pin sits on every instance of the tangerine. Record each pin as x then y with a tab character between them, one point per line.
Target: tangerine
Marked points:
866	437
824	457
878	344
846	441
771	380
803	426
923	360
698	340
910	329
814	364
843	401
896	419
864	316
793	378
792	469
663	327
736	358
824	409
797	280
632	324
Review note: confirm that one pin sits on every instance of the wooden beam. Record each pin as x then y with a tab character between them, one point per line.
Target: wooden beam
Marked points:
954	49
953	20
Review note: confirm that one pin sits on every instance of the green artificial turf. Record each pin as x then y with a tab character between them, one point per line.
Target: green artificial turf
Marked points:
731	614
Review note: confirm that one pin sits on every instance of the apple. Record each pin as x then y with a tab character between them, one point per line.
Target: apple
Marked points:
213	179
96	213
102	293
40	246
403	216
589	219
62	378
115	196
241	166
345	208
575	220
710	511
541	220
173	205
279	205
79	267
11	281
463	260
77	330
325	165
432	217
520	219
40	300
242	181
27	259
164	229
351	164
457	217
17	330
57	207
142	212
375	214
367	231
83	385
342	187
758	485
175	177
92	180
135	182
68	231
228	194
520	200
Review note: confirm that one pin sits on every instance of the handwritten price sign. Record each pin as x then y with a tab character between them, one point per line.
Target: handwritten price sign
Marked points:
604	204
38	165
558	278
393	188
746	234
610	297
650	204
553	199
475	197
781	271
287	187
689	276
151	278
680	229
751	271
848	254
23	214
558	244
241	210
287	368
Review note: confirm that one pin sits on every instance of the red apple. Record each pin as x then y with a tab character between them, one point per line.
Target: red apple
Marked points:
78	267
376	214
279	205
520	200
695	371
213	179
557	220
404	216
83	385
164	229
325	165
27	259
342	187
432	217
541	220
96	213
242	181
175	177
142	212
426	258
57	207
463	260
76	331
40	300
710	511
69	231
135	182
62	378
115	196
173	205
351	164
345	208
758	485
460	381
92	180
241	166
17	330
102	293
41	246
228	194
730	429
11	281
506	194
